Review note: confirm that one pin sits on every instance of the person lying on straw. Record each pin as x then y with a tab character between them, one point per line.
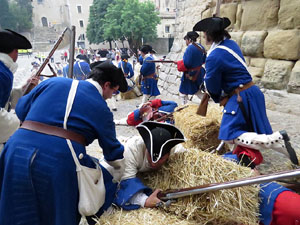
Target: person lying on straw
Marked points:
146	152
155	109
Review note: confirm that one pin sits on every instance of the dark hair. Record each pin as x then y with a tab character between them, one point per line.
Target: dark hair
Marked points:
6	50
217	36
101	77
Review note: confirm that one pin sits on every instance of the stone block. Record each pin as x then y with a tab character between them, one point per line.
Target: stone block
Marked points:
237	37
294	82
176	47
276	74
260	15
229	11
282	44
171	79
252	43
173	89
288	15
238	18
258	62
256	73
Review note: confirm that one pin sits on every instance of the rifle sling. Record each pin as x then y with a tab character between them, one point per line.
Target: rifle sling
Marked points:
53	130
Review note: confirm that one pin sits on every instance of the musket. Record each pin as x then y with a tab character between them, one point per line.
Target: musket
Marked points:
72	52
30	86
160	61
170	114
179	193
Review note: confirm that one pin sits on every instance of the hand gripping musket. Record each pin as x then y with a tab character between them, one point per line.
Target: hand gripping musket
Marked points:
30	86
179	193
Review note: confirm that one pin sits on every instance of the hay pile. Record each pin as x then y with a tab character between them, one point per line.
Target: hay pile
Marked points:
142	216
128	95
193	168
200	132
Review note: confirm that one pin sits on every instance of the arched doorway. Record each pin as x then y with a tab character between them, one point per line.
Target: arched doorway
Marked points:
44	22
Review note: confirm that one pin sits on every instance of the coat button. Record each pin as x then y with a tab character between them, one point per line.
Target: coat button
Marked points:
80	156
224	110
233	112
241	86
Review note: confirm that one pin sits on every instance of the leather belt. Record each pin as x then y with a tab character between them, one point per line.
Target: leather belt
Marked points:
237	91
151	76
53	130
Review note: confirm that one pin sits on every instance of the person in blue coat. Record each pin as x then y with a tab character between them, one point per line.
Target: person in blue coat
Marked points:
278	205
129	74
10	42
81	69
37	170
191	66
228	82
155	109
149	77
146	152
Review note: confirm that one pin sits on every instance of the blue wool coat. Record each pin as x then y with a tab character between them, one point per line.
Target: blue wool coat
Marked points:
192	58
126	69
224	73
6	83
38	180
149	85
79	72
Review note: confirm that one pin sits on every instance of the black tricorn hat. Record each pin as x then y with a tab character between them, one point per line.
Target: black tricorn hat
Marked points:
115	73
12	40
212	24
146	48
191	35
159	138
124	56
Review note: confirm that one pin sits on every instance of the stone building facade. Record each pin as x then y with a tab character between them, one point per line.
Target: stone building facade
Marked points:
267	31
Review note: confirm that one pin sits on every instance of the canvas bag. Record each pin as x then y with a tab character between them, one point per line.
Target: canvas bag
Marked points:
90	181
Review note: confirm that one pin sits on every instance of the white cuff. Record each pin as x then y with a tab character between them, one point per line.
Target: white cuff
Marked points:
139	199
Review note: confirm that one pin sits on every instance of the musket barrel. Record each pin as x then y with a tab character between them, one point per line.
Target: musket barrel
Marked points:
231	184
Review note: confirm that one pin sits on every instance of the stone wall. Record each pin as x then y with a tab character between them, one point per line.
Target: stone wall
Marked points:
267	31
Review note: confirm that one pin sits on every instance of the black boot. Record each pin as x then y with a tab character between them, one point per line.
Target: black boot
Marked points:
289	147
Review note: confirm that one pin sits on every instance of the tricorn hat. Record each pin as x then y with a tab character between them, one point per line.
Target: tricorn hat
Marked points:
124	56
12	40
146	48
212	24
115	73
191	35
159	138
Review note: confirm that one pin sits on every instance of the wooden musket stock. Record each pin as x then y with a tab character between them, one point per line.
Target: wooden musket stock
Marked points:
202	108
30	86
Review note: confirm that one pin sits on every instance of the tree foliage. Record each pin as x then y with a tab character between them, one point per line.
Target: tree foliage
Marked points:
95	29
124	19
6	17
132	20
16	15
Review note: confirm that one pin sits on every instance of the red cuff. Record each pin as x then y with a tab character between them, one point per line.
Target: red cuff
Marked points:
156	103
131	121
253	154
180	66
286	209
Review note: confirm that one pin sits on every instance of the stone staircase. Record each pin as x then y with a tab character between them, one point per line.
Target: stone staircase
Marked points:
44	38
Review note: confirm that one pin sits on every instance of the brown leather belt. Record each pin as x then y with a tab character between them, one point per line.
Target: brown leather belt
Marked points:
53	130
151	76
236	91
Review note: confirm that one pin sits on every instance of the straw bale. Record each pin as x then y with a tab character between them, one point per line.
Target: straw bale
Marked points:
128	95
143	216
200	132
195	167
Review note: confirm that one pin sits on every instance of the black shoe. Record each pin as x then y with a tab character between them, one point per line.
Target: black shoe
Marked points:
114	109
289	148
246	161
